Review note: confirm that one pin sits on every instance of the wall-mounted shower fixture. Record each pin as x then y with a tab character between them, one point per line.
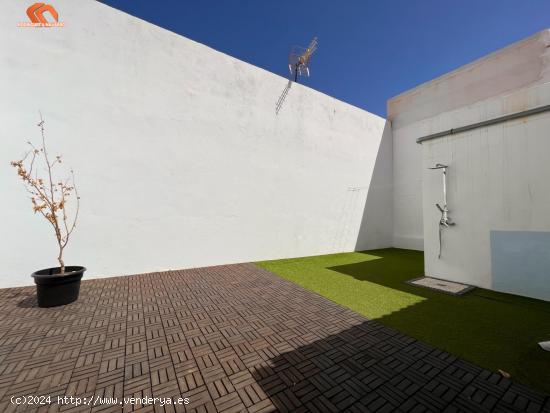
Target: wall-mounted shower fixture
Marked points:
445	221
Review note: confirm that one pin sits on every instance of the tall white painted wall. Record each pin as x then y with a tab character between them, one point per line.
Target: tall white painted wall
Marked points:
414	114
498	195
181	160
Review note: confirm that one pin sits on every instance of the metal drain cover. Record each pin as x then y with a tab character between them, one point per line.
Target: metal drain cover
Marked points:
449	287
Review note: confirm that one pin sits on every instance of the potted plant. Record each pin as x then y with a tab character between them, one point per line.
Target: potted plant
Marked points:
49	196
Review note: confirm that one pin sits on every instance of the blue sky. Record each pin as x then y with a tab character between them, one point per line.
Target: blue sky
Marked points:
368	50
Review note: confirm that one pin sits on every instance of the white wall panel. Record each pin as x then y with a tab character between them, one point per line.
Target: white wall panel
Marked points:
181	160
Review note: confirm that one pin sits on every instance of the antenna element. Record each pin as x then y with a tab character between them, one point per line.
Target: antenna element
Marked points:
299	57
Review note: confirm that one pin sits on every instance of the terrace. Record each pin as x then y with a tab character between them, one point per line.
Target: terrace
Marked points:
240	338
188	159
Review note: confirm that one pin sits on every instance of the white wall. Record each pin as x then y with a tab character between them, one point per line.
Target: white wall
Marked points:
376	226
181	160
413	114
498	186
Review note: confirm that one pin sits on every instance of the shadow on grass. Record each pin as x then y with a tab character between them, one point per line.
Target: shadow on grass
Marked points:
494	330
370	367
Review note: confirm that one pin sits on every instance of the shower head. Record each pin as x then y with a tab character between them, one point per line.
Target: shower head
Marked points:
439	166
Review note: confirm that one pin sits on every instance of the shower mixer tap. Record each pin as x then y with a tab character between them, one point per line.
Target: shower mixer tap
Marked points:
445	220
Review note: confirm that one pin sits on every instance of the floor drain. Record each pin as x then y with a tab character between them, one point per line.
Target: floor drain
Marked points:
449	287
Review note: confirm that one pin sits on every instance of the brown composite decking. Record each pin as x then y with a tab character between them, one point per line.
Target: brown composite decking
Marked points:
230	338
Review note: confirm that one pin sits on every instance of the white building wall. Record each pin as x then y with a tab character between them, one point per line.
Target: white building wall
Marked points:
498	195
413	114
181	160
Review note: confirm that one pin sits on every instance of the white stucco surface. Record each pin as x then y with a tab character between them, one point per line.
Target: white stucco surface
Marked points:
414	113
181	160
497	184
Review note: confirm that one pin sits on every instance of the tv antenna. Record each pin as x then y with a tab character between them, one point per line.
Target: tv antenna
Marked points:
299	57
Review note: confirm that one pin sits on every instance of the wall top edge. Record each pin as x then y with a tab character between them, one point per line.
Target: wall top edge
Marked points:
250	65
543	34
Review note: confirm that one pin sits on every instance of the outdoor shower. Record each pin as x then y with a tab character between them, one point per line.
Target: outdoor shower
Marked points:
445	221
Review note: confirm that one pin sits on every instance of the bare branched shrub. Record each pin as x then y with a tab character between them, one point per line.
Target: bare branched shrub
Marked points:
49	196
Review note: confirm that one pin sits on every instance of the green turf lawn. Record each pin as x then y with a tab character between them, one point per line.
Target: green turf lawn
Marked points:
493	330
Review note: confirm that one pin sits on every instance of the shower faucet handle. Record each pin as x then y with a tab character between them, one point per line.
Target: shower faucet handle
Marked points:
445	220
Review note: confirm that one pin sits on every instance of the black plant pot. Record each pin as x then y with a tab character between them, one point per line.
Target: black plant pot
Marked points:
53	288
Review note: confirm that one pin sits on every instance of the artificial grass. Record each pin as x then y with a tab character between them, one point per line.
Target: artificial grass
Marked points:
493	330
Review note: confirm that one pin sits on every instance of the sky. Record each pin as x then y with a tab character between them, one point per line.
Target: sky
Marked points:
368	50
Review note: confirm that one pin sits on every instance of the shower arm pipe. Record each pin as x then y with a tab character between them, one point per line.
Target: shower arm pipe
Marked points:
445	188
494	121
444	218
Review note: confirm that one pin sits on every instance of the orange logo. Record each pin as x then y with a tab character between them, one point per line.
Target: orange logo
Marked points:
38	19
